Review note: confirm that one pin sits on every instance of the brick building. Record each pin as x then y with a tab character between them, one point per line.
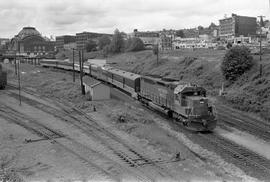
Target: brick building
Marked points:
236	26
65	39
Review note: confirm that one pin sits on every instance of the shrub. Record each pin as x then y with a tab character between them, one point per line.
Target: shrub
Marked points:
236	61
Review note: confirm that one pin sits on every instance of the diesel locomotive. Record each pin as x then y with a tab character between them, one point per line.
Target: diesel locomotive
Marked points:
185	102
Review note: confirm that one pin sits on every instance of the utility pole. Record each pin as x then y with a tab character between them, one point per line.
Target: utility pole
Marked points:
157	53
261	24
82	72
19	81
81	75
15	63
73	66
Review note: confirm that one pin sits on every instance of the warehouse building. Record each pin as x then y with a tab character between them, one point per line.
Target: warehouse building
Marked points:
236	26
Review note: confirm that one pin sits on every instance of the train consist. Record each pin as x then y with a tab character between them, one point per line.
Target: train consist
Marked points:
185	102
3	78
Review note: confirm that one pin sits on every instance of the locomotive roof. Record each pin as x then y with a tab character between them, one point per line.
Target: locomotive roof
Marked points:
122	73
160	81
182	88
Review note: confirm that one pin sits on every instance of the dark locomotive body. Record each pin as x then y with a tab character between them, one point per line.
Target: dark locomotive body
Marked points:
185	102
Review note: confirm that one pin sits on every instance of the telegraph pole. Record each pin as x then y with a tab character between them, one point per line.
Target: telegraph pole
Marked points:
73	66
81	73
261	24
19	81
15	63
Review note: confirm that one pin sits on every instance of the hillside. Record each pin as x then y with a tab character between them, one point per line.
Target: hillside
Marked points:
249	93
181	65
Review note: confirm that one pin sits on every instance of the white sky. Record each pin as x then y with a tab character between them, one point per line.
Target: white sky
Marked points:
59	17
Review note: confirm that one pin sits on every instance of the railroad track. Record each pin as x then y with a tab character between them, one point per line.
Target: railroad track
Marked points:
120	148
45	133
258	129
242	157
241	116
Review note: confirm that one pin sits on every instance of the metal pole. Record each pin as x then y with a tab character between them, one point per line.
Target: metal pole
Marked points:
19	81
73	67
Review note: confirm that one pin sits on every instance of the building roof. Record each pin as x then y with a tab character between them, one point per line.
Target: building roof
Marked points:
28	31
89	81
96	84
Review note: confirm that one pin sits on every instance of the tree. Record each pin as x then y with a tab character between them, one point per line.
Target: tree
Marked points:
135	44
117	44
180	33
91	46
103	41
236	61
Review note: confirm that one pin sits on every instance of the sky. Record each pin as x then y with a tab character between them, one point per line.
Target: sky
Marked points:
61	17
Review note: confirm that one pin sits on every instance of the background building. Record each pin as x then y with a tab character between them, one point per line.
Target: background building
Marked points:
166	41
236	26
65	39
149	38
82	38
30	42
